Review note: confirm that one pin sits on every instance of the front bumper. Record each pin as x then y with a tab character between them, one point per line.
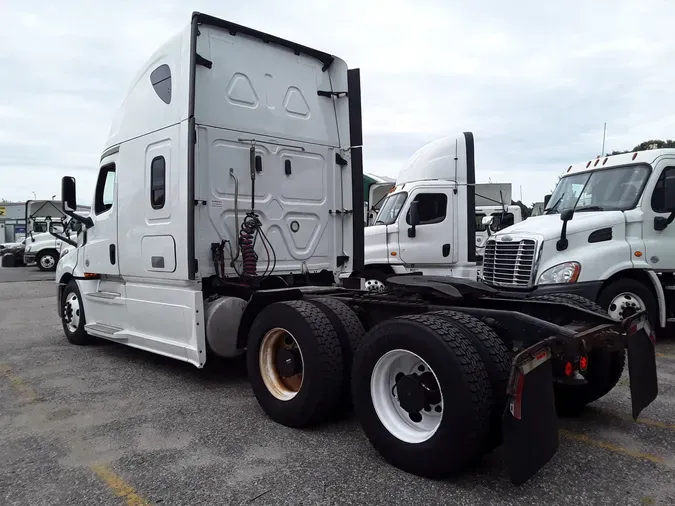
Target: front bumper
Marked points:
588	289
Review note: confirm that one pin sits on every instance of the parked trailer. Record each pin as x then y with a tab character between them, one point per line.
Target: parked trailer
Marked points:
250	149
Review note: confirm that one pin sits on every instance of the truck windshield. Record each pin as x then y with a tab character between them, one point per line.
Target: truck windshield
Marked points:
602	190
391	208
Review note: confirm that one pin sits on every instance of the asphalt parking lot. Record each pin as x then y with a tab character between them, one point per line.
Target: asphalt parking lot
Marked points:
108	424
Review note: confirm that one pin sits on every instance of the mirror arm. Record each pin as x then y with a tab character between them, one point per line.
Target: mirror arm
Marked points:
63	238
661	223
86	221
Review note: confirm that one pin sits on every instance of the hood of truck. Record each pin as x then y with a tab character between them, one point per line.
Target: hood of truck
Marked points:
549	226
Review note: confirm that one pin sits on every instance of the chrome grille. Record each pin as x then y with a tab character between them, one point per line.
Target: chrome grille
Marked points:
509	263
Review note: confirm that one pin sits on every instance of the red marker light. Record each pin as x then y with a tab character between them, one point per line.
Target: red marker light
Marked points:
634	155
583	363
604	161
589	163
569	369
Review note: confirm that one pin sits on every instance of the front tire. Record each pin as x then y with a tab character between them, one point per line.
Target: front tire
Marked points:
295	363
73	317
422	361
47	260
625	297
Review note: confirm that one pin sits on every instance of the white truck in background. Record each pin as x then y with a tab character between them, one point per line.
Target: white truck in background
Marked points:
440	180
226	219
606	234
46	223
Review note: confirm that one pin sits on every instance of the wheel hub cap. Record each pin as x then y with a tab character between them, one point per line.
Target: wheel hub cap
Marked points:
624	305
288	362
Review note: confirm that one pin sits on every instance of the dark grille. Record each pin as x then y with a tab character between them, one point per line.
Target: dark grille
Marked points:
509	263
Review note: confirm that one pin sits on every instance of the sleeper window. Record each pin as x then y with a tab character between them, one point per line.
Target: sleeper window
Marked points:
157	182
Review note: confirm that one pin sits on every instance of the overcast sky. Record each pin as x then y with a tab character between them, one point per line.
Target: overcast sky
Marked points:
534	82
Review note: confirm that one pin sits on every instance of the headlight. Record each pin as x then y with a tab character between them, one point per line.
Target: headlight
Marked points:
28	249
567	272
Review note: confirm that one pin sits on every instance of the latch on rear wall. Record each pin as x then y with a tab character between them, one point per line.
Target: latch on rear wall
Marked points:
337	94
340	211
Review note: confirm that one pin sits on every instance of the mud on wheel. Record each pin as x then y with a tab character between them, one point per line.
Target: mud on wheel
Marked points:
422	395
295	363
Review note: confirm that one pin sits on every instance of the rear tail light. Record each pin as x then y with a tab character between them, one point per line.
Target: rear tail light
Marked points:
569	369
583	364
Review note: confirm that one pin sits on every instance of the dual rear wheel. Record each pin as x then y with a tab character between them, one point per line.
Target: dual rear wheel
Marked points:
428	390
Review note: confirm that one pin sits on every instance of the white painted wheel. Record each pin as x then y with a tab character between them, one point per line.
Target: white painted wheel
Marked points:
281	364
624	305
71	311
375	285
47	261
388	398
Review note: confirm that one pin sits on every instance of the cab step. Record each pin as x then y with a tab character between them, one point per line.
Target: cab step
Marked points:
106	331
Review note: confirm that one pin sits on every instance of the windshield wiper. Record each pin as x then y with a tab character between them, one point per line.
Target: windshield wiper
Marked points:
553	209
590	208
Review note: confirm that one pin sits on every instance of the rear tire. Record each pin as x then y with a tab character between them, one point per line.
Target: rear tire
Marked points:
293	401
605	367
73	317
350	333
448	443
495	357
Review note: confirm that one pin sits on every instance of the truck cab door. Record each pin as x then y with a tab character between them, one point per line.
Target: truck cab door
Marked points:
659	241
429	243
101	249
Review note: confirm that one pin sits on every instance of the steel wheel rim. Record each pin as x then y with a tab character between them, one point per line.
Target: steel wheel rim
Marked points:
624	305
47	261
393	417
281	388
375	285
71	312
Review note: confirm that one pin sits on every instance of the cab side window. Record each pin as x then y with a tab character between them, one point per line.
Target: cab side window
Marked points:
432	208
659	194
105	189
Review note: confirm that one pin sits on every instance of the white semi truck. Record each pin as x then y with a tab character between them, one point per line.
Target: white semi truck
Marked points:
606	234
439	179
227	219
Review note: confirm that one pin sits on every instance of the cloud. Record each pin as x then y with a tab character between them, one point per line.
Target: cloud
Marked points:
533	81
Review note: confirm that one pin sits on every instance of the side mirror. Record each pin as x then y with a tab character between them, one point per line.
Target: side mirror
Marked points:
414	218
68	194
547	198
487	221
567	215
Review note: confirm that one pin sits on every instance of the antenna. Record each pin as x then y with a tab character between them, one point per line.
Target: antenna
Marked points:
604	132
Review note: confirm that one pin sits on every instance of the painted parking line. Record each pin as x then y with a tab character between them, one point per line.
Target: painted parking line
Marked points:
116	484
576	436
665	355
120	487
26	391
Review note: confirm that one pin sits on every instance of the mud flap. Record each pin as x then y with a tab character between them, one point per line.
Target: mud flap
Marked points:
530	423
642	369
